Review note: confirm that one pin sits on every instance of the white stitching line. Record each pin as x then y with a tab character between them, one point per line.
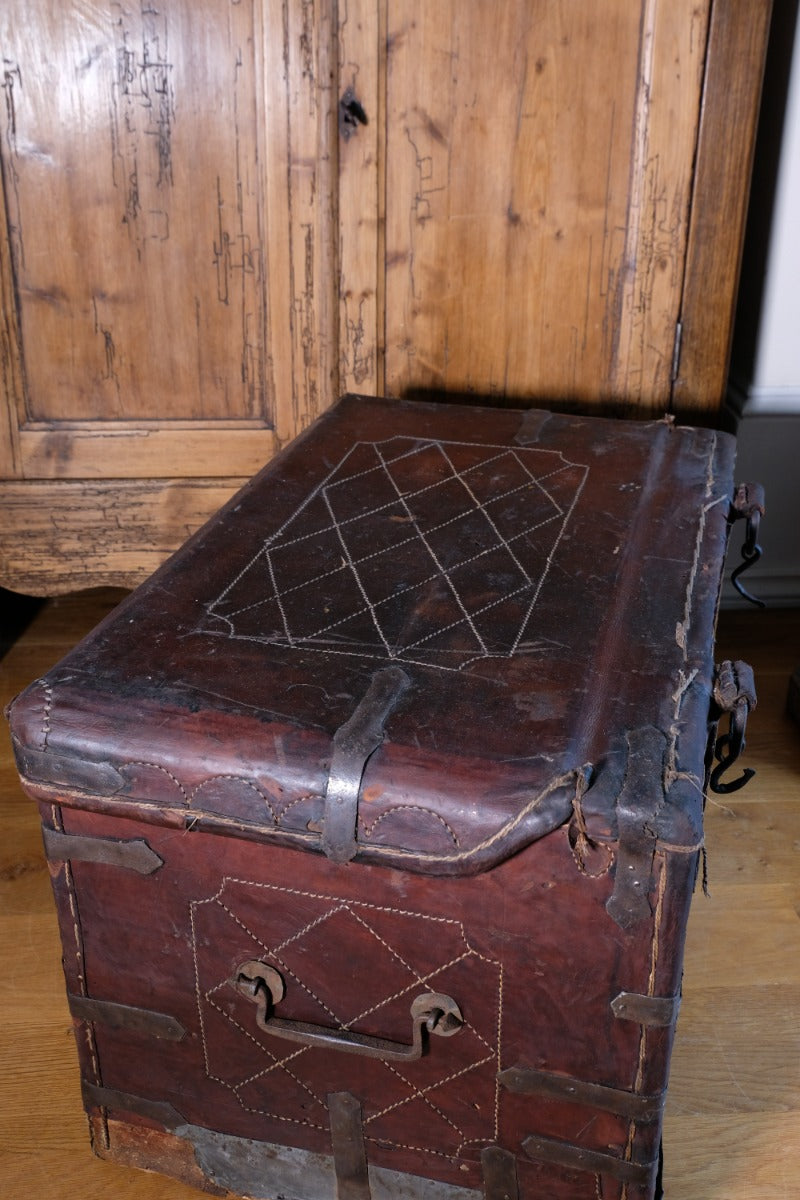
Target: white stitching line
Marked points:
558	782
276	1064
357	578
189	796
482	508
412	587
156	767
388	550
276	887
420	446
271	953
48	707
368	830
682	628
435	558
392	951
236	779
343	905
500	983
275	589
307	928
549	559
427	444
416	1093
329	648
411	987
197	987
279	1063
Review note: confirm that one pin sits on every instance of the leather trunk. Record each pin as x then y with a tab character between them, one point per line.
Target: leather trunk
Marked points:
374	817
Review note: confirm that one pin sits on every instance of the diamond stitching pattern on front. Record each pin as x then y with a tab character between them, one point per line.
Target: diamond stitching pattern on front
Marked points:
407	955
410	573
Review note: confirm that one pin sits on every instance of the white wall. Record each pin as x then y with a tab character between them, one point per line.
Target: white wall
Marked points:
769	431
775	387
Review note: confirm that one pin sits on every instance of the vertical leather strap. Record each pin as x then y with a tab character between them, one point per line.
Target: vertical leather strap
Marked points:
353	743
499	1174
349	1152
638	803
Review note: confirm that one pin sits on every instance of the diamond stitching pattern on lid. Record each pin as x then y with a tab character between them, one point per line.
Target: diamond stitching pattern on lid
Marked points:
301	933
413	550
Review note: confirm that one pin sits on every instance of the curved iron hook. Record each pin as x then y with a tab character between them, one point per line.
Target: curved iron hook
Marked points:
727	749
748	503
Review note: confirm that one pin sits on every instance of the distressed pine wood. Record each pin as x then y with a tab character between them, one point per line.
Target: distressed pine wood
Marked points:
299	163
95	452
737	43
537	212
135	131
62	536
362	168
187	242
733	1105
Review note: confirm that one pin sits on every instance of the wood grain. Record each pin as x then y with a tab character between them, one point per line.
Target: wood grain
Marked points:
734	1102
361	217
64	536
737	41
537	213
299	162
133	129
187	241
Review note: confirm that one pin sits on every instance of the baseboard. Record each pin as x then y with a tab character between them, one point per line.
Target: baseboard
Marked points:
777	589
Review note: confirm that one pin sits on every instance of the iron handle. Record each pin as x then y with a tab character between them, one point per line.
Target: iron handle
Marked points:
430	1013
734	695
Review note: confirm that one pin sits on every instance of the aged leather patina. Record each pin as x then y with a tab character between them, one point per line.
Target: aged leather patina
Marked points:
423	715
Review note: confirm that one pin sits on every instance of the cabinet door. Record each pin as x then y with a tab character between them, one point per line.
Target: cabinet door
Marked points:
221	214
531	165
166	269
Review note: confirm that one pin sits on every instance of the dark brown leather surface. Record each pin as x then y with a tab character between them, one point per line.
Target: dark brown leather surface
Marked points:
547	583
543	590
527	950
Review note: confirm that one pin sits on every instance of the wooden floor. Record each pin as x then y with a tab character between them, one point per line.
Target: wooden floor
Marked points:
733	1127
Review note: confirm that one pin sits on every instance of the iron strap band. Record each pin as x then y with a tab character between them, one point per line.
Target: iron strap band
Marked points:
155	1110
526	1081
353	743
656	1011
499	1174
126	1016
133	855
349	1152
564	1154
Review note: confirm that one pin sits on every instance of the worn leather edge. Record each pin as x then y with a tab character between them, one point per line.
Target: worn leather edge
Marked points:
546	811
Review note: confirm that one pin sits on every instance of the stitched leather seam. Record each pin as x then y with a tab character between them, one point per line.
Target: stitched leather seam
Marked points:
368	830
236	779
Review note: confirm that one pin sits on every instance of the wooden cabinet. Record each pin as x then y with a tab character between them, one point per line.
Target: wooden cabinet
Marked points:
221	214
